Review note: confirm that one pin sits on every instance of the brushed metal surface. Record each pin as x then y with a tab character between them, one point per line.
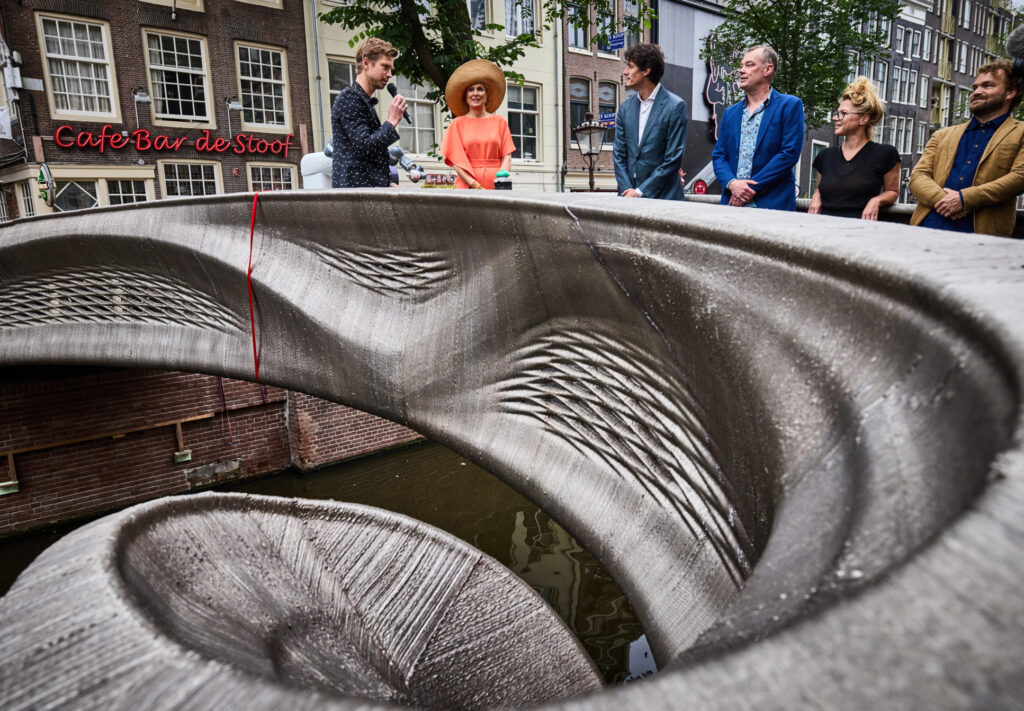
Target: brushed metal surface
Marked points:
794	440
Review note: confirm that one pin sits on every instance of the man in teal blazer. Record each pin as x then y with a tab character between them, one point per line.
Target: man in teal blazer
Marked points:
760	139
650	130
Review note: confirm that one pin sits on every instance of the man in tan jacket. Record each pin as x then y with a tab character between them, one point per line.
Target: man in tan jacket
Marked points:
970	175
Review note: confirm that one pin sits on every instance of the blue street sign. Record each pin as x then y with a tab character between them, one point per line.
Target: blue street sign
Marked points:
607	119
616	41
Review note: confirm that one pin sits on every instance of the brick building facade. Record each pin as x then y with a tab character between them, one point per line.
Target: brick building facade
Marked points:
129	100
594	84
97	440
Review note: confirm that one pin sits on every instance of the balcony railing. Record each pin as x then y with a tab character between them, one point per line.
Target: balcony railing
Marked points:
946	69
993	45
948	24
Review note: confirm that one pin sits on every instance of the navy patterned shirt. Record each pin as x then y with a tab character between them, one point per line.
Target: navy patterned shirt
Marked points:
968	154
360	158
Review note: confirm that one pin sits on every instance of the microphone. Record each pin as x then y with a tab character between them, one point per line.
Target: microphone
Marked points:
1015	48
393	90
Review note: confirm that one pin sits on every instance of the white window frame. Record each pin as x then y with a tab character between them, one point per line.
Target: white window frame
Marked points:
27	204
146	190
926	45
4	214
210	120
272	4
511	6
161	176
61	184
912	93
915	44
899	38
286	127
193	5
965	14
571	33
922	136
538	112
114	115
925	93
415	104
291	167
351	64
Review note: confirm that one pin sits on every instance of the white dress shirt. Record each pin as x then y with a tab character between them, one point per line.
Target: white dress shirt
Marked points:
645	111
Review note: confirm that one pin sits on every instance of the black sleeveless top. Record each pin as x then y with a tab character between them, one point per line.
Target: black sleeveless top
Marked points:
846	186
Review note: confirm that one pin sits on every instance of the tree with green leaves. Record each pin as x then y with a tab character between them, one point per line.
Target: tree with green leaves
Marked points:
819	42
435	37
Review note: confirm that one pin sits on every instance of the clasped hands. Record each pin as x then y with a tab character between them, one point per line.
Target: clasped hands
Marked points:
950	206
742	192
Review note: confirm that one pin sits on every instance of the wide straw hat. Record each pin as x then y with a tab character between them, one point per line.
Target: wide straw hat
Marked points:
475	71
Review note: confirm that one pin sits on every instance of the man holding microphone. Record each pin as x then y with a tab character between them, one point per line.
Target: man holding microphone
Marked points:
360	157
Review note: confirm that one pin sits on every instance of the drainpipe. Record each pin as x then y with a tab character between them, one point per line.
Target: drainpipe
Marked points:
319	88
559	117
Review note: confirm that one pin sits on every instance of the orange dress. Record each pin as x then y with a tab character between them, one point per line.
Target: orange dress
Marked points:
477	145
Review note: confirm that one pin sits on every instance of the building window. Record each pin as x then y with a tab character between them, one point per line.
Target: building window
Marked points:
607	103
262	86
896	85
915	44
579	101
965	14
605	26
79	67
519	17
177	77
631	10
266	3
341	75
881	77
926	46
912	84
271	177
899	39
417	137
816	148
922	136
124	192
577	35
523	119
477	13
195	5
4	216
28	203
961	65
75	195
924	93
182	179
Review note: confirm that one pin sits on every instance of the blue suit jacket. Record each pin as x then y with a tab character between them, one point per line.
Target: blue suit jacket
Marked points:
651	166
776	151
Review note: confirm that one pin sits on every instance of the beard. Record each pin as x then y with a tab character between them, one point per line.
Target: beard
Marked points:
988	105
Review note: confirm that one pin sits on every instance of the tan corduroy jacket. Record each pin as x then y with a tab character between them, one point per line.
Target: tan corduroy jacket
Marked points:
998	181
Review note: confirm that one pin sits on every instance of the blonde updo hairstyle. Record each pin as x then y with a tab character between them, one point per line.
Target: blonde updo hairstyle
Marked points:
863	94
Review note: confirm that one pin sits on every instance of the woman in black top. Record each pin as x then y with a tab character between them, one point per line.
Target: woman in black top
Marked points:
860	176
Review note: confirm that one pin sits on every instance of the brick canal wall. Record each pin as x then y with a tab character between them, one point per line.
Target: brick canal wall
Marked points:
93	442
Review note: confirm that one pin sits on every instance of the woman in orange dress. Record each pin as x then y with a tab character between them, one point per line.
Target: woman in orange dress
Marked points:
477	143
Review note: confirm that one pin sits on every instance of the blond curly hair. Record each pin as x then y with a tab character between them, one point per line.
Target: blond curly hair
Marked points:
863	94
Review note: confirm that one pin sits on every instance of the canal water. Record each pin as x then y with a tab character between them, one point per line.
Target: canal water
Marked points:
433	484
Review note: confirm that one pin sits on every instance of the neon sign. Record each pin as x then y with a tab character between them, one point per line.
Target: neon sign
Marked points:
108	137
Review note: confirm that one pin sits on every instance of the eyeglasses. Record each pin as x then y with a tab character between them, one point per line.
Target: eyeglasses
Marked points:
841	115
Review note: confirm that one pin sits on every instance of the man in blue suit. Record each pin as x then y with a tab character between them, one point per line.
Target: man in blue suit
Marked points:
760	138
650	130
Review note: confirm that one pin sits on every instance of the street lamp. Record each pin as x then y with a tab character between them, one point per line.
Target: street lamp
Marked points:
233	104
589	137
140	96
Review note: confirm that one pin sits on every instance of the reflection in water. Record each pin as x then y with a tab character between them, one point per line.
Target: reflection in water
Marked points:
435	485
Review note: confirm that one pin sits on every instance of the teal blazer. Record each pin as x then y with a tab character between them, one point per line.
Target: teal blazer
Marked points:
652	165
